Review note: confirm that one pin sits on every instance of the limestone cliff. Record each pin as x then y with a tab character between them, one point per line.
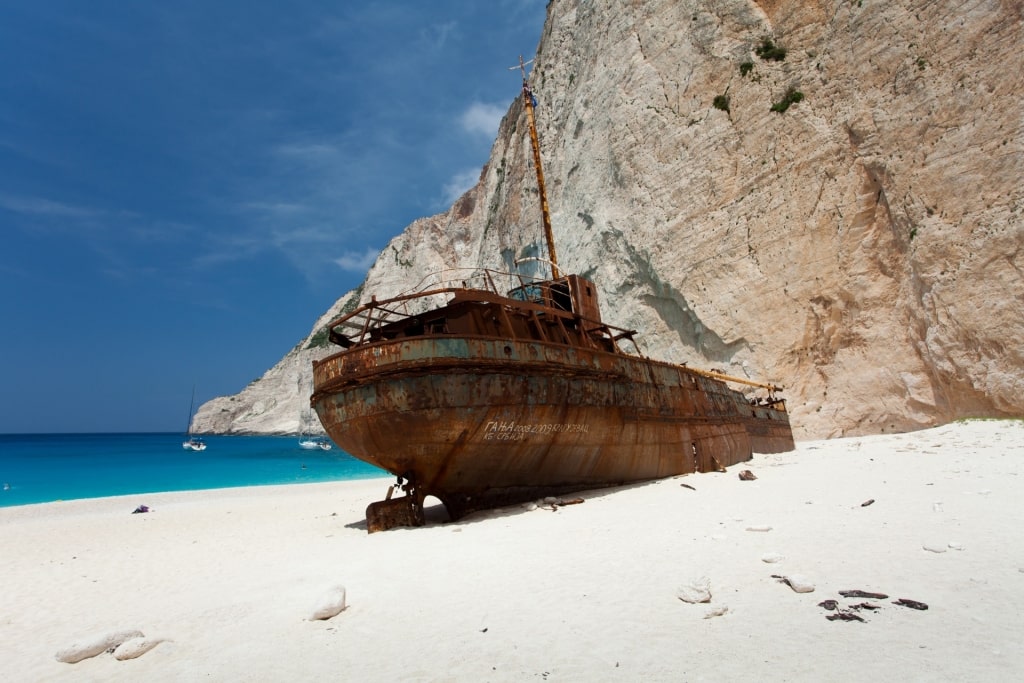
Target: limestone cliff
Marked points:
823	194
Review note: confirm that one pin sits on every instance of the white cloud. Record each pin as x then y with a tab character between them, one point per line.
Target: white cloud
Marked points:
274	208
306	150
483	119
459	184
44	207
356	262
437	34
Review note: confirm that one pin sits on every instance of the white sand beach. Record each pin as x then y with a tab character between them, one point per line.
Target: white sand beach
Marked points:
222	584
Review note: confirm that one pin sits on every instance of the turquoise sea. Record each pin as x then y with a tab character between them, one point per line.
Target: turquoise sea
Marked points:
39	468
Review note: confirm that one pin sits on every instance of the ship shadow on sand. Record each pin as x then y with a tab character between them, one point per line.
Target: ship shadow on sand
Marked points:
435	513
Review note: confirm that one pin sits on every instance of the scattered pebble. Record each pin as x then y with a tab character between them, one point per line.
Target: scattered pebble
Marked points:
798	582
331	604
759	527
772	558
955	545
867	502
716	612
934	547
697	591
95	645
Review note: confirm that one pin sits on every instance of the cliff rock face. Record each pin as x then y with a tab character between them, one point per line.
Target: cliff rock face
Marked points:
862	247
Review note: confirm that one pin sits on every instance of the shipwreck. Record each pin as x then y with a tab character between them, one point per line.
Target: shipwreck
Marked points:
486	388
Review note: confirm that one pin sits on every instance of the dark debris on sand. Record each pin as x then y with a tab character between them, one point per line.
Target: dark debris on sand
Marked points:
849	613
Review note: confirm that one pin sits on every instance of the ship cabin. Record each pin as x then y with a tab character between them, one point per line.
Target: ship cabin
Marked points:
564	311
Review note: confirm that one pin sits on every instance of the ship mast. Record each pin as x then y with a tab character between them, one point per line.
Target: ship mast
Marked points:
528	101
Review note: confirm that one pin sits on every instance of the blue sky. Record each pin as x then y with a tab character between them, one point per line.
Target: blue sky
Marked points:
186	186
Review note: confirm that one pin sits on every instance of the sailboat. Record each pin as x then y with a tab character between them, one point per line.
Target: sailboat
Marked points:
485	389
312	443
191	442
309	442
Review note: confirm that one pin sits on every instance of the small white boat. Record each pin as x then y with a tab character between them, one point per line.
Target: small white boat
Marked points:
192	443
310	444
307	441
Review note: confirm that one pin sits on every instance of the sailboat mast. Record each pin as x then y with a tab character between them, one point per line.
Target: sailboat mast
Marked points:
528	101
191	406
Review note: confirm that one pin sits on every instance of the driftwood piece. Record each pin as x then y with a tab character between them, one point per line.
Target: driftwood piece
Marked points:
845	616
913	604
865	605
863	594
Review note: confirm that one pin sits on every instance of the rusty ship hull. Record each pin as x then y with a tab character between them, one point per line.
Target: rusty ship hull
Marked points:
493	422
480	420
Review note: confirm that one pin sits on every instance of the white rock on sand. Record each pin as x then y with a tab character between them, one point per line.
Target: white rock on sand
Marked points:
94	645
695	591
331	604
135	647
798	582
716	612
585	594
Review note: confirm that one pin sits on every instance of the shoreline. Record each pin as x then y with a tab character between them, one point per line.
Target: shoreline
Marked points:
250	489
57	468
224	581
113	504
